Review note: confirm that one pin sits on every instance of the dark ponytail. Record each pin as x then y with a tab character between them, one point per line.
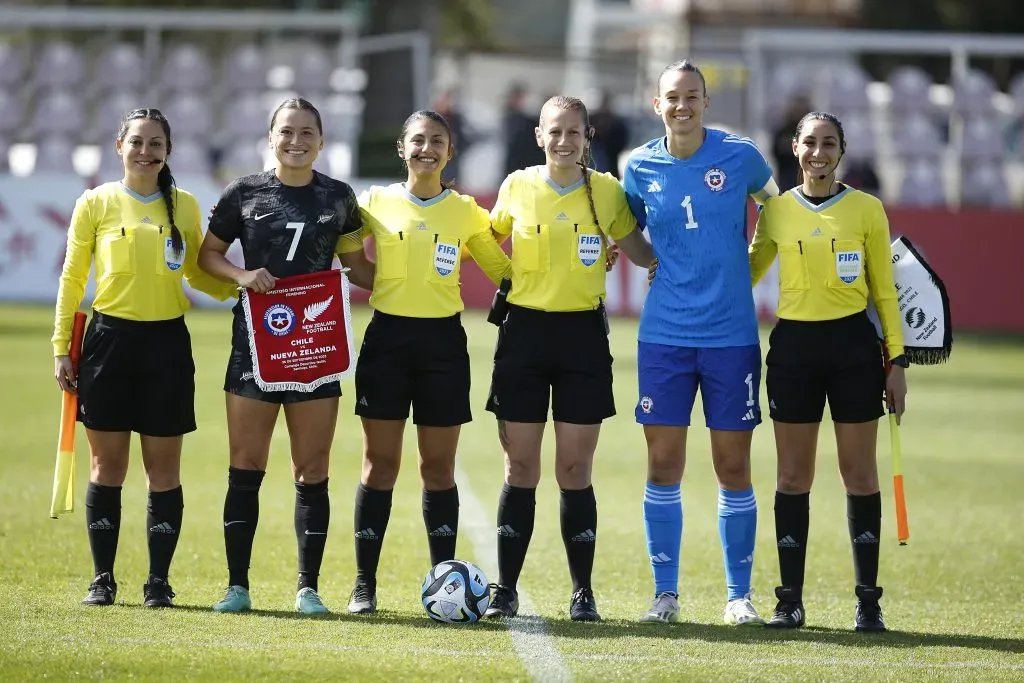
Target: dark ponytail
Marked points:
164	179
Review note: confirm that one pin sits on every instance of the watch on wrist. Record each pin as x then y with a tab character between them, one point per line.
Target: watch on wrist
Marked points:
900	361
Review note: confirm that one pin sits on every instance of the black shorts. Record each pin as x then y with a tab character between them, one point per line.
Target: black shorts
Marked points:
550	357
422	362
840	360
239	379
137	377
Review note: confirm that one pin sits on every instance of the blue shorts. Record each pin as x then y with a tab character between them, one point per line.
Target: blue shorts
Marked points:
729	380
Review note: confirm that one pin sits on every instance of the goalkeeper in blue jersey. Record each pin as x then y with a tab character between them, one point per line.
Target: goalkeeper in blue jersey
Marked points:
698	329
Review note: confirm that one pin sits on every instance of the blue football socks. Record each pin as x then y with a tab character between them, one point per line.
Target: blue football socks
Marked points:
737	527
663	521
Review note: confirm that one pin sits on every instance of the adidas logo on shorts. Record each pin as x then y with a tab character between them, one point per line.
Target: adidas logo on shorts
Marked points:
751	415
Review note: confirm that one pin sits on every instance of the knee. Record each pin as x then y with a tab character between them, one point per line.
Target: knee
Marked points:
734	473
312	468
438	474
573	475
380	470
248	459
109	472
861	482
793	483
164	478
522	472
665	464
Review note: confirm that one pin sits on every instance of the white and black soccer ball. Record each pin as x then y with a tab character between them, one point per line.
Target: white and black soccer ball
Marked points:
456	592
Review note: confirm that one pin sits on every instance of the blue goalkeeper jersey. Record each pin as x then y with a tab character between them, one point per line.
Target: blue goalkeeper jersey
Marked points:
695	211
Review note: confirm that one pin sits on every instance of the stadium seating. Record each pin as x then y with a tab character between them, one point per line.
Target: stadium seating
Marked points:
119	67
984	185
926	140
12	65
922	185
58	66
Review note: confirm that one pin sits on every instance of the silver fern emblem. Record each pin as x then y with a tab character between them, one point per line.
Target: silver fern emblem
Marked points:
314	311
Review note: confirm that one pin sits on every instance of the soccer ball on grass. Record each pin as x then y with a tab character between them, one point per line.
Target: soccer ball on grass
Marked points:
455	592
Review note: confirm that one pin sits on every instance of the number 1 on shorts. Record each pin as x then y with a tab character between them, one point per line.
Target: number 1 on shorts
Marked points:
750	389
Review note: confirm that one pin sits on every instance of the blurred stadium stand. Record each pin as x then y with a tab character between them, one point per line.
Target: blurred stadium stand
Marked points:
931	144
216	78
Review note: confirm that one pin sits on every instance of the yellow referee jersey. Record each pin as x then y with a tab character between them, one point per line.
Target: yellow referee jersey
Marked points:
831	256
138	275
558	256
418	244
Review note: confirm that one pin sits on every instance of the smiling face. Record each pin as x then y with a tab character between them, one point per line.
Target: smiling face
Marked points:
143	148
818	147
562	134
426	146
681	101
295	138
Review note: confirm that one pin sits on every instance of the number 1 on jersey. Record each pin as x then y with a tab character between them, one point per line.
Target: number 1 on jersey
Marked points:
688	205
297	227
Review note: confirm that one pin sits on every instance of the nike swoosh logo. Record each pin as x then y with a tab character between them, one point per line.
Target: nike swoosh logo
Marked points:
257	217
315	533
237	521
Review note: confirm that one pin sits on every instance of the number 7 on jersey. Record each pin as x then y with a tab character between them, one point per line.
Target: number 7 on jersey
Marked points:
691	224
297	227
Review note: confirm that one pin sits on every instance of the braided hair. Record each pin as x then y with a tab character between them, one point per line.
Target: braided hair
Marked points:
820	116
164	179
567	103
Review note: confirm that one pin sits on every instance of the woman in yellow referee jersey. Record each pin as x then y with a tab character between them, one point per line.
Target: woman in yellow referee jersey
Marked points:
833	246
552	349
414	351
136	372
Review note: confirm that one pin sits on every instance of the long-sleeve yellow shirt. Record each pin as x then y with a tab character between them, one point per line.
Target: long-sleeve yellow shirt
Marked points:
831	257
138	274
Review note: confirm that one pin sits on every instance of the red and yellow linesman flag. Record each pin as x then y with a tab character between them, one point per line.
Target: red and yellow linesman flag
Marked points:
63	500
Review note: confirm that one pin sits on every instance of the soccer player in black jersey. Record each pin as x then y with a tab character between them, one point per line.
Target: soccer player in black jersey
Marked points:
277	217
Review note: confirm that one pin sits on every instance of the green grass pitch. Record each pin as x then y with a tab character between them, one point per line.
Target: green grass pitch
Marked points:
952	596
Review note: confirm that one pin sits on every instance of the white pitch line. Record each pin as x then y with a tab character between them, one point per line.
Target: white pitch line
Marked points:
529	635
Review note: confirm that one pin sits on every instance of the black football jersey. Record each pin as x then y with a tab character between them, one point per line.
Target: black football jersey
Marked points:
287	230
